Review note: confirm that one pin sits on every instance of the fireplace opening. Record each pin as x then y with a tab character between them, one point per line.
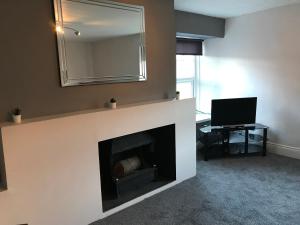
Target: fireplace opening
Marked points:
135	164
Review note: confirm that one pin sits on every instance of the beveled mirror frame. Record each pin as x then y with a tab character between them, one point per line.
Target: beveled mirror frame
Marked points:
66	80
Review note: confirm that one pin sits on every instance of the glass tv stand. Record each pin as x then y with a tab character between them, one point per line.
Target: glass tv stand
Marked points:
226	138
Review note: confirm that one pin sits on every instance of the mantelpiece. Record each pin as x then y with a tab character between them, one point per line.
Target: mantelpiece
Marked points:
81	112
52	163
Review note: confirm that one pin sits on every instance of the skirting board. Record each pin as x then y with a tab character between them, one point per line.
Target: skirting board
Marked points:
285	150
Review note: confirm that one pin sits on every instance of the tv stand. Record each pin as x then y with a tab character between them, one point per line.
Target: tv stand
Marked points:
246	126
232	127
225	134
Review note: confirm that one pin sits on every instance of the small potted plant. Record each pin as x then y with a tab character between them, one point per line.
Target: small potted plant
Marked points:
16	115
113	103
177	95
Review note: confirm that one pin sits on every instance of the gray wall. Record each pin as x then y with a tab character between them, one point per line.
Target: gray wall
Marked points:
29	63
196	24
260	56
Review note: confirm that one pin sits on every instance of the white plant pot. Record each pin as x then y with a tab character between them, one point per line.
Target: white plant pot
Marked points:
113	105
177	96
17	118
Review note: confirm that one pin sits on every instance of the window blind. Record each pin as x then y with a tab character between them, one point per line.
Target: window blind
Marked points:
185	46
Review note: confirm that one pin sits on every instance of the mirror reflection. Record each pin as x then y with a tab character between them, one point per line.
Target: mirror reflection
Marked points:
100	42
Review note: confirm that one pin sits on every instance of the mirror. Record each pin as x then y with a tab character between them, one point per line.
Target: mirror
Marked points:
100	42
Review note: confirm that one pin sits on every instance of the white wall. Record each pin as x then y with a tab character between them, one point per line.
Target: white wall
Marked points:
260	56
117	56
52	164
80	62
109	57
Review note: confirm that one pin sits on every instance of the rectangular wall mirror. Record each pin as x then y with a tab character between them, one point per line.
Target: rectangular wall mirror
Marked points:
100	42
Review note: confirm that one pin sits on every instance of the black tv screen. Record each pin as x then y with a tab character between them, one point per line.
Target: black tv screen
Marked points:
233	111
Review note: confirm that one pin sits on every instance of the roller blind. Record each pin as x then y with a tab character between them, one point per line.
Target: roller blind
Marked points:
185	46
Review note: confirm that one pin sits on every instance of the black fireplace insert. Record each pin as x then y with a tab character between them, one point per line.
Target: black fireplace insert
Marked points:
135	164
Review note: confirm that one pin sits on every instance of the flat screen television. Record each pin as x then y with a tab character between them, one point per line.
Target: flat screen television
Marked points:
233	111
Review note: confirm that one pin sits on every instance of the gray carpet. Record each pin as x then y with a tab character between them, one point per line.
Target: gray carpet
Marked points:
231	191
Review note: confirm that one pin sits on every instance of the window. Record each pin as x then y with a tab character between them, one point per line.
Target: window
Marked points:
190	83
187	76
188	67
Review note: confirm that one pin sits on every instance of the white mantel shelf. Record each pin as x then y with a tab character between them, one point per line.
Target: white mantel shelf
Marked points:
88	111
52	163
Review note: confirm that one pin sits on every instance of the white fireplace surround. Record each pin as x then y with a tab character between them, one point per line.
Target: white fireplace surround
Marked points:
52	164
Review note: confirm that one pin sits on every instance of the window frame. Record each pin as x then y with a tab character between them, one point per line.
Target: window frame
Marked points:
195	80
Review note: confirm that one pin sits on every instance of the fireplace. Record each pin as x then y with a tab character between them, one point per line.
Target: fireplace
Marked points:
135	164
70	157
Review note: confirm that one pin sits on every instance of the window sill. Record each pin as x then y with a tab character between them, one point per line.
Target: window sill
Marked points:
202	117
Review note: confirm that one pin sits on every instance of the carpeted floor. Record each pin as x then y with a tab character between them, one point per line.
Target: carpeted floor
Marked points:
231	191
